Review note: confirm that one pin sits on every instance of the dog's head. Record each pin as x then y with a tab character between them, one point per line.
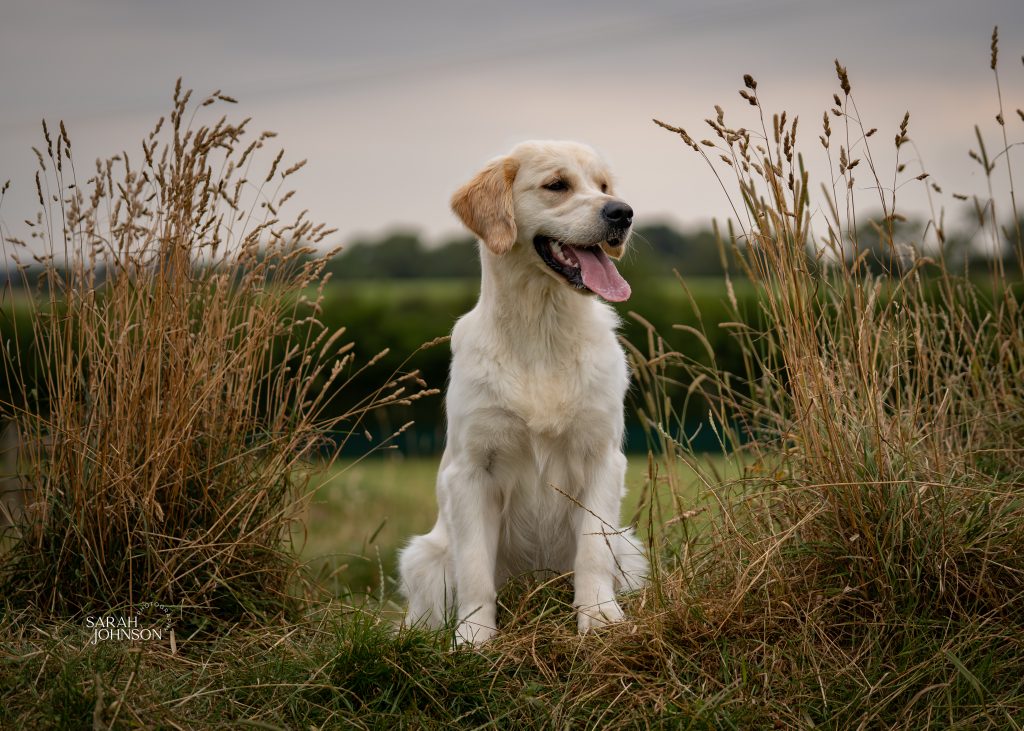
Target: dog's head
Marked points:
552	203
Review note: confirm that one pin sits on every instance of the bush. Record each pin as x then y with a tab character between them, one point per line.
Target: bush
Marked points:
183	377
875	542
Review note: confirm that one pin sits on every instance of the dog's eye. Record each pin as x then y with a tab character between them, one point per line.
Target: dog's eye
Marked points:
556	185
604	187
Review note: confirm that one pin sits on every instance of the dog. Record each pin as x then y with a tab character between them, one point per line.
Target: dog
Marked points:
532	476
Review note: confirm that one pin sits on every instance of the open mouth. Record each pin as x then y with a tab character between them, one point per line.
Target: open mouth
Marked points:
585	267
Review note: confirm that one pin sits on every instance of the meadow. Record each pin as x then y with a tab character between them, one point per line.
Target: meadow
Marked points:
364	510
852	557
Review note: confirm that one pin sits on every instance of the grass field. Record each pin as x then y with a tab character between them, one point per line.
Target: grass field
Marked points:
391	290
364	510
864	569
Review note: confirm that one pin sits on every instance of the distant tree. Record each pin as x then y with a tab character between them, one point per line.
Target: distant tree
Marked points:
402	255
398	256
887	248
455	258
656	250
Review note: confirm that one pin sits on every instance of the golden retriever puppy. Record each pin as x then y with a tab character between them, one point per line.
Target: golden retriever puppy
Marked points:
532	476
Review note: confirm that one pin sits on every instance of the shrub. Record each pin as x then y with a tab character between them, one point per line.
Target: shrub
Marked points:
183	375
875	541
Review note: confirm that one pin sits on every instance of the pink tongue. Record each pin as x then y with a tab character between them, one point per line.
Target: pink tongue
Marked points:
601	276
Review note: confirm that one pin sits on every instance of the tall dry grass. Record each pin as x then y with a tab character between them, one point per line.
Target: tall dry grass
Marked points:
173	391
865	571
879	521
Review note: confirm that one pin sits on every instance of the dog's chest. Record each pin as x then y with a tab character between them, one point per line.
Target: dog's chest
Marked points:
555	380
546	401
557	395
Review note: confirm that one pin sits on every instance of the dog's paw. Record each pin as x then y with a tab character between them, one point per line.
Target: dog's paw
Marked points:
473	633
598	615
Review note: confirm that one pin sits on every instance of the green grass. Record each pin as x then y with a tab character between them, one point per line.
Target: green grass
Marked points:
347	664
864	570
364	510
684	661
390	290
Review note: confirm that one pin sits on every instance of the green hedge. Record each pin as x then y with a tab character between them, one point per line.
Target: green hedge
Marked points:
401	315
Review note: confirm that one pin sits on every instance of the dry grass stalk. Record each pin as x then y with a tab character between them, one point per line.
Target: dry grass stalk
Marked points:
178	375
880	420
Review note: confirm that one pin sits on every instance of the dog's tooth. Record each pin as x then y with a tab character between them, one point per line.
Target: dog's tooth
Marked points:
559	253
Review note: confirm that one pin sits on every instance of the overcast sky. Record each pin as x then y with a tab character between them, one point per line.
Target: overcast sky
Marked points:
396	104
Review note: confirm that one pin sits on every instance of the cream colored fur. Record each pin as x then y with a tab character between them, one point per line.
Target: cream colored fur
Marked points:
532	477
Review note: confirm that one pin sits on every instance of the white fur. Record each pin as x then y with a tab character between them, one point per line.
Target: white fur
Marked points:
532	476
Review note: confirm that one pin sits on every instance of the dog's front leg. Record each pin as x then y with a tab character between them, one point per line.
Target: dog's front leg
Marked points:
596	533
475	515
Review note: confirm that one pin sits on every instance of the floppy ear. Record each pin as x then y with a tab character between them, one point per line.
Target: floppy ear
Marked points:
484	204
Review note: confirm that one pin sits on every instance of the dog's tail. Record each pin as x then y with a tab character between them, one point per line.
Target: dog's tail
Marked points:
426	578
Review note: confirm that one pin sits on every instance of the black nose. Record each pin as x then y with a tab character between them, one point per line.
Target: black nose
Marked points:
617	213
